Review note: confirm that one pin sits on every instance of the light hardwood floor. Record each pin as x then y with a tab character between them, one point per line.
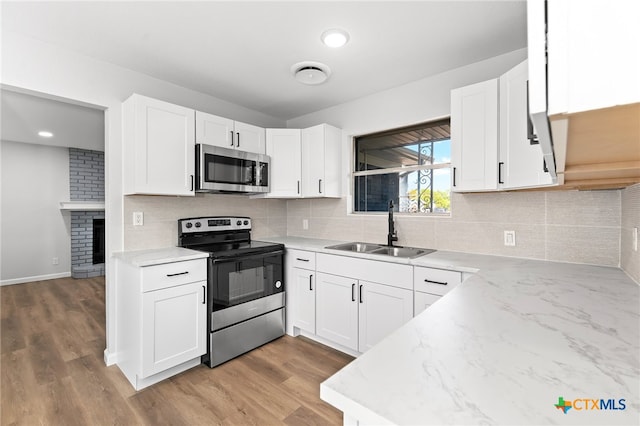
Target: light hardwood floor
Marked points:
52	371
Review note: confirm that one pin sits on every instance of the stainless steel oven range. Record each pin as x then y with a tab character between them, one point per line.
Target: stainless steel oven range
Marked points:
245	279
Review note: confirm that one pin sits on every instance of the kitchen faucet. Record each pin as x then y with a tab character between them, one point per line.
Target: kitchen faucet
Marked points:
392	235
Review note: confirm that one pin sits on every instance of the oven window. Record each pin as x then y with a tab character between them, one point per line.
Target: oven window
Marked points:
239	281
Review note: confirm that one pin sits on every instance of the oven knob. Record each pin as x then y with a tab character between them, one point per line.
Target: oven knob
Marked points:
278	284
239	223
246	222
189	225
198	224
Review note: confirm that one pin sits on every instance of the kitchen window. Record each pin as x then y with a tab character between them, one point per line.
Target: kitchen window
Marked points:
411	166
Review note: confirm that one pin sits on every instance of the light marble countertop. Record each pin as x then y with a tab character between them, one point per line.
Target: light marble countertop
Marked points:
159	256
501	348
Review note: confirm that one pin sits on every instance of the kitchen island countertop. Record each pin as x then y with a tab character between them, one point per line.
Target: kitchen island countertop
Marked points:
502	348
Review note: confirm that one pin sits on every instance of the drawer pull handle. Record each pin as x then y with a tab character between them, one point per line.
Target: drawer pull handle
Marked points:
178	273
302	260
436	282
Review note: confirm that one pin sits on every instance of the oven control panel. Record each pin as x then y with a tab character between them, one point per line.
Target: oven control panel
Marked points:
216	223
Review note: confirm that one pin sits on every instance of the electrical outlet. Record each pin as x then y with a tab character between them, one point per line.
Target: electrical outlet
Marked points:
305	224
510	238
55	261
138	219
635	239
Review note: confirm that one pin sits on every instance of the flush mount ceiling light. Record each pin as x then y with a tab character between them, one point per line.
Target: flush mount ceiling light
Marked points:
310	73
335	37
45	134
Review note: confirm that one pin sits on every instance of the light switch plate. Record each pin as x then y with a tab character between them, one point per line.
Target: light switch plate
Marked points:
510	238
305	224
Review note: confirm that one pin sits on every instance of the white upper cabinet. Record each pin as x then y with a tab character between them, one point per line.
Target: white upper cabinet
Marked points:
305	163
158	147
474	137
593	54
521	160
492	146
226	133
321	161
214	130
285	150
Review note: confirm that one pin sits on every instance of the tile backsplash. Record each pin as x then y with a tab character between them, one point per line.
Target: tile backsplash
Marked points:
630	258
592	227
568	226
161	214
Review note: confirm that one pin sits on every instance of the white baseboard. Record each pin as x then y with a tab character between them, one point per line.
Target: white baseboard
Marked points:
110	358
35	278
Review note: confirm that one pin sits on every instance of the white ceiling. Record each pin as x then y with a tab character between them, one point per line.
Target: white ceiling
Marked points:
242	51
23	115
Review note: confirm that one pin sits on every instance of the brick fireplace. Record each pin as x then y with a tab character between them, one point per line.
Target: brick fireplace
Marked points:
86	180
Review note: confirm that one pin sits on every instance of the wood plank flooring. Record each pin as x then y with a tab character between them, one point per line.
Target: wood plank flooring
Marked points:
52	371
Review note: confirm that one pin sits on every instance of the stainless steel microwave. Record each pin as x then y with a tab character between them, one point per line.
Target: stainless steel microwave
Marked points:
228	170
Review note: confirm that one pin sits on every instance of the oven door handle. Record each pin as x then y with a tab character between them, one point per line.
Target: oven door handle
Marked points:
232	259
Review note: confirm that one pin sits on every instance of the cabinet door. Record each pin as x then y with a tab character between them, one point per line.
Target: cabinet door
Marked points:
382	310
249	138
174	326
337	309
474	137
313	159
163	147
283	146
304	307
580	32
423	301
214	130
521	163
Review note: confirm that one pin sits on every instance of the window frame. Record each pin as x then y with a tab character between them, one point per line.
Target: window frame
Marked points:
355	173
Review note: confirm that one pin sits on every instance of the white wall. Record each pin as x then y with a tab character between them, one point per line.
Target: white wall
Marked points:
559	226
37	66
35	179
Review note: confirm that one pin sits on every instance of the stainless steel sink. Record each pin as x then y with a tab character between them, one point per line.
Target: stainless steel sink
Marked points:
405	252
369	248
356	247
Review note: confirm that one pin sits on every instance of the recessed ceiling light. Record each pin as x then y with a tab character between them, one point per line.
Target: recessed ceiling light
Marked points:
45	134
310	73
335	37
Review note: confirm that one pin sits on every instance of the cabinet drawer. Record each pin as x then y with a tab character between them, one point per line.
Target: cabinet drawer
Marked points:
435	281
301	259
167	275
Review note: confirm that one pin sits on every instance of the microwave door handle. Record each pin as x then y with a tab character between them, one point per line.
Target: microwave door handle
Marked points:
256	174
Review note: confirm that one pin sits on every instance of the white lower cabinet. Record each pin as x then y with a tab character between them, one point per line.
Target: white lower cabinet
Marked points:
423	300
162	319
304	308
301	290
358	314
431	284
337	310
382	309
174	326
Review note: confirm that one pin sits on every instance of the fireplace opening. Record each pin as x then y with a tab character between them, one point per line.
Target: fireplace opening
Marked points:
98	241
